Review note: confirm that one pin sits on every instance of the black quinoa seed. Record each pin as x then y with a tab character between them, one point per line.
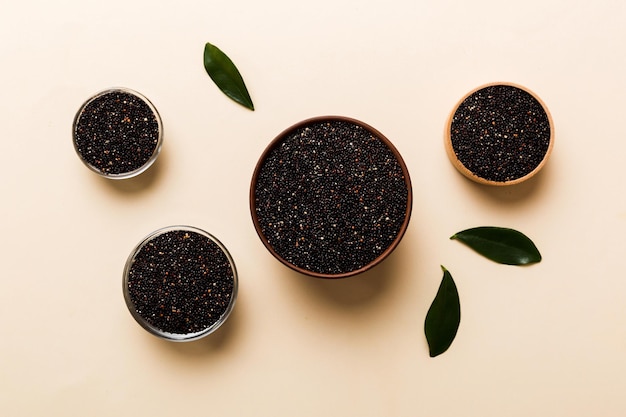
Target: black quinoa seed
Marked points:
500	133
116	133
180	282
330	197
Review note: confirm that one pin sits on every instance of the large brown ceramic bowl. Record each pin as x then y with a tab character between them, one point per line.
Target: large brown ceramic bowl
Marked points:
331	197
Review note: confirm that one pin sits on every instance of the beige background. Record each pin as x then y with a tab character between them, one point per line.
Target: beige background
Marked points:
547	340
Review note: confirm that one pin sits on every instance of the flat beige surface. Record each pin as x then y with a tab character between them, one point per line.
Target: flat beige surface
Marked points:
548	340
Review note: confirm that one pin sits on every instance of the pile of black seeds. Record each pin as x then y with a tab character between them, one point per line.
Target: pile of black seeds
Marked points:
180	282
330	197
116	133
500	133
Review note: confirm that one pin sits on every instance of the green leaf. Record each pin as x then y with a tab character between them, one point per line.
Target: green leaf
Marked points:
502	245
443	317
226	76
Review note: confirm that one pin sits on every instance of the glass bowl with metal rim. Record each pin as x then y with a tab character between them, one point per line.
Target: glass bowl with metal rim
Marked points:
180	283
117	133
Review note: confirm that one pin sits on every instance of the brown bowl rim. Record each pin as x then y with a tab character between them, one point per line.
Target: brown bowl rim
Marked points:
407	180
472	176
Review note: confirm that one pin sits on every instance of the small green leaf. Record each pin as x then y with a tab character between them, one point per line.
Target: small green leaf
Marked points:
443	317
502	245
226	76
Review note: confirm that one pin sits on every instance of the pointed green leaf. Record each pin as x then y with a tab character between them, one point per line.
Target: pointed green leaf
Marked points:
443	317
226	76
502	245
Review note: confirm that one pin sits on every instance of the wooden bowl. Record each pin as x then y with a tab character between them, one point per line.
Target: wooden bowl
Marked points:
499	134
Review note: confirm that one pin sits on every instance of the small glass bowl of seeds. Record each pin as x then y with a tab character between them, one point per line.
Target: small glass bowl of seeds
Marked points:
180	283
499	134
117	133
331	197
